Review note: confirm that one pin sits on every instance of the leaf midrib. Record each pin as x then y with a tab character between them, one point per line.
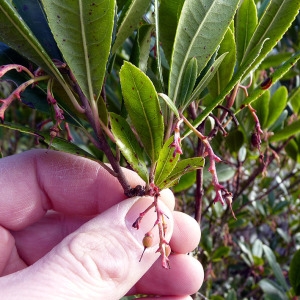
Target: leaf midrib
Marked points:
186	57
263	37
85	51
145	116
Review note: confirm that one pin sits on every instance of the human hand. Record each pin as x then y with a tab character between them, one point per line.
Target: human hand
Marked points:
65	232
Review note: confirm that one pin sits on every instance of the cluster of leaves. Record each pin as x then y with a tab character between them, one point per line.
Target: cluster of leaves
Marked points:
121	76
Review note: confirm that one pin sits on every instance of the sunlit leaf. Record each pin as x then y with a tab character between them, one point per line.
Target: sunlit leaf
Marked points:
237	77
142	105
225	70
140	52
184	166
286	132
166	162
201	27
128	144
170	103
169	12
128	21
277	104
188	81
246	21
83	33
275	21
261	105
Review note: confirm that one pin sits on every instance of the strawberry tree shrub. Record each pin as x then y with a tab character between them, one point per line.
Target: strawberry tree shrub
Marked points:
200	96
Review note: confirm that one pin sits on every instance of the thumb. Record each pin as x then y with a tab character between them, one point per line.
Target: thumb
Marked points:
100	260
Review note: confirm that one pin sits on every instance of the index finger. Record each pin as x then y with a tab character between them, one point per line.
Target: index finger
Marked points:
39	180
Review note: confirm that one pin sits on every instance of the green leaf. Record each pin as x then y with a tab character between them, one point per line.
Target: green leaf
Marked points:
278	74
56	143
201	28
171	104
33	15
261	105
142	105
205	79
128	144
246	21
129	20
103	113
83	33
185	182
166	163
292	150
275	267
277	105
225	71
286	132
183	167
188	81
169	12
15	33
140	52
235	140
294	99
294	274
237	77
271	290
274	60
221	253
275	21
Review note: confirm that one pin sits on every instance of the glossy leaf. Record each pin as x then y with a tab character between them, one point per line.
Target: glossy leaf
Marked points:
83	33
275	21
286	132
246	21
166	163
261	105
277	105
171	104
128	145
201	28
129	20
237	77
278	74
56	143
169	12
225	71
294	100
15	33
275	267
184	166
185	182
221	253
235	140
140	52
32	13
188	81
205	79
294	274
142	105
